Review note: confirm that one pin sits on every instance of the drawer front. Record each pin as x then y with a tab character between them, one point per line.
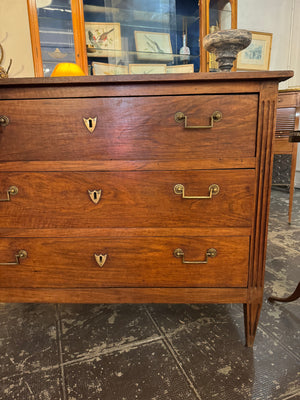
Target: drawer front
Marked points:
287	100
132	128
282	146
128	199
126	262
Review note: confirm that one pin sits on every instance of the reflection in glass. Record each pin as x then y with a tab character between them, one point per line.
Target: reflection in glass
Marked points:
151	32
56	33
219	19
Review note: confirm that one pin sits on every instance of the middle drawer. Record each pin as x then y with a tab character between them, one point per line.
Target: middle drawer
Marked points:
127	199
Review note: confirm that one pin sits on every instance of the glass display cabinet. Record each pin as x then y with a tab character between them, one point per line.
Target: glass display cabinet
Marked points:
116	37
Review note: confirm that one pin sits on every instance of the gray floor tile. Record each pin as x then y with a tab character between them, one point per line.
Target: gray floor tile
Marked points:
28	340
45	385
88	330
222	368
145	372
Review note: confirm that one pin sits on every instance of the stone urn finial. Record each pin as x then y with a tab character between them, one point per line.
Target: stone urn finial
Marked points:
226	45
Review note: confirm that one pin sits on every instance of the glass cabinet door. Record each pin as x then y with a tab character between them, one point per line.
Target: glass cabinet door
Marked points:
55	34
54	18
141	36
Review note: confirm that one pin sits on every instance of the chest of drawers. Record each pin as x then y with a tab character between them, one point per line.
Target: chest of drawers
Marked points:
137	189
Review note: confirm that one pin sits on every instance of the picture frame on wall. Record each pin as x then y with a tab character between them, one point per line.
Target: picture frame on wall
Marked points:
154	46
104	38
256	57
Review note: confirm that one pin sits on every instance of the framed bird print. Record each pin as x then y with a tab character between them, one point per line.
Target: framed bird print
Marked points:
153	46
103	38
100	68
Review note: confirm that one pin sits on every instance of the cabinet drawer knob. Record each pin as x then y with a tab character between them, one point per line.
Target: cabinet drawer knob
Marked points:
209	253
4	120
12	191
213	189
215	117
100	259
19	255
90	124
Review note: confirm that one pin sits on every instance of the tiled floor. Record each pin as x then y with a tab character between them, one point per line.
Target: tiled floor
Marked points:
161	352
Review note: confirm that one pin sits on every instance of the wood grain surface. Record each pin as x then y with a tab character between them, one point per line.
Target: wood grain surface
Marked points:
138	262
128	199
128	128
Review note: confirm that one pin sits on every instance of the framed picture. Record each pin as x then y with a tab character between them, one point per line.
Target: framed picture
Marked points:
153	46
147	68
104	38
109	69
180	69
257	55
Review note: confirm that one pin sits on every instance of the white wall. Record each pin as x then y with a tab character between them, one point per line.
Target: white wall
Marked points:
15	38
281	18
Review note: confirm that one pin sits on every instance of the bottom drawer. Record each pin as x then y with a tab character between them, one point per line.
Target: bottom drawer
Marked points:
124	262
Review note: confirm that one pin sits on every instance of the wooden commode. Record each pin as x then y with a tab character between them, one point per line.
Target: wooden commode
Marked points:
137	188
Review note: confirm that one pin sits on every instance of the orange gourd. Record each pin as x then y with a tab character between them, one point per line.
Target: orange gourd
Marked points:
67	69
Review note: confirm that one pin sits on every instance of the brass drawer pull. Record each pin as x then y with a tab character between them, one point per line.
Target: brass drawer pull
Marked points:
12	191
90	123
209	253
214	189
100	259
215	117
19	255
4	120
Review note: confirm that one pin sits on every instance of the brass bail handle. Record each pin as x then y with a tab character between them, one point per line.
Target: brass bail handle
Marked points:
21	254
12	191
215	117
213	189
4	120
209	253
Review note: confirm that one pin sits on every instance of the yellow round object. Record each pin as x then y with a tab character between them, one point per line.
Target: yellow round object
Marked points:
67	69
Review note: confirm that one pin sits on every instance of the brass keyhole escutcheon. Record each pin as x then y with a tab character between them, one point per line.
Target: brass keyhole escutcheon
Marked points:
90	124
100	259
95	195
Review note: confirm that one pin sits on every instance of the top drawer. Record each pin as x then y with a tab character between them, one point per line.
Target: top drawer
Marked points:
132	128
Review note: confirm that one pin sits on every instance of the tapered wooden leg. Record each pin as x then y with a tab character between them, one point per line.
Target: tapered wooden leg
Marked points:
251	317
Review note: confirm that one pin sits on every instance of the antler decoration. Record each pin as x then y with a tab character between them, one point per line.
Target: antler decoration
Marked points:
3	73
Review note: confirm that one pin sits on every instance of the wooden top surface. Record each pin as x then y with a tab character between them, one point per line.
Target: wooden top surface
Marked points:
155	78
